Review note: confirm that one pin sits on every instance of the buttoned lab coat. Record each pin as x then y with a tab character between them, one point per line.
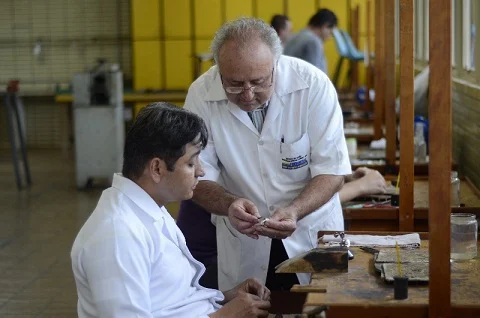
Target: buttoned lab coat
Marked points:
130	260
303	112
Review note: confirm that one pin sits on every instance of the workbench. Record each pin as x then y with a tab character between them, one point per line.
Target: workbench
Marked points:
134	100
363	134
137	97
375	159
361	292
386	218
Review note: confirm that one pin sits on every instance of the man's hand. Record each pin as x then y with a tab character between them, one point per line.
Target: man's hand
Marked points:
280	225
244	305
249	286
372	183
357	174
243	215
360	172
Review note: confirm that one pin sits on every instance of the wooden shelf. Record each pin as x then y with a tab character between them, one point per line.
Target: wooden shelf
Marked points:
137	97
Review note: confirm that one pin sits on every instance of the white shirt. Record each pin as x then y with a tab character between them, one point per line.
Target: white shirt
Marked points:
130	260
305	113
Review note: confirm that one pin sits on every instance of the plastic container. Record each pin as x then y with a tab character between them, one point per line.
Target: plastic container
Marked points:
464	231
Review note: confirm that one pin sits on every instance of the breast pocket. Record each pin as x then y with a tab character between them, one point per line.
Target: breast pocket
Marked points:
295	160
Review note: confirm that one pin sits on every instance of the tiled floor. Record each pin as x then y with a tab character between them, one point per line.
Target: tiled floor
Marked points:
37	228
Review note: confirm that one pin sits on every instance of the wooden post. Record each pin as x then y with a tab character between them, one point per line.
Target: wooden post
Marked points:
355	35
379	68
407	61
390	116
368	68
440	145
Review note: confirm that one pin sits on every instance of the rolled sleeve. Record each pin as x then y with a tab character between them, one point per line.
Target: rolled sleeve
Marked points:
328	148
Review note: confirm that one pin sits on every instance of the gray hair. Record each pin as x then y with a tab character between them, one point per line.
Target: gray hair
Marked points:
242	31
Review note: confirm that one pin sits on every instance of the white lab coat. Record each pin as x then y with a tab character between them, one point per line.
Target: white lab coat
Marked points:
130	260
305	112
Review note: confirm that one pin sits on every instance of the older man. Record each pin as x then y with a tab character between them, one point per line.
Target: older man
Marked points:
277	144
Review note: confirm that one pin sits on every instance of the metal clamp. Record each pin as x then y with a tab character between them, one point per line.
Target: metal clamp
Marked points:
345	243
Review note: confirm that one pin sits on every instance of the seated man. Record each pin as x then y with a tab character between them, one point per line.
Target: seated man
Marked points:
308	44
420	94
130	259
199	230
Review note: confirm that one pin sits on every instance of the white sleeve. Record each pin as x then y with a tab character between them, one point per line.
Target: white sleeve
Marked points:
328	148
195	103
117	268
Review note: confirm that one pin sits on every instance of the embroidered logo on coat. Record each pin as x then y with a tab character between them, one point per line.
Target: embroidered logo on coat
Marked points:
294	163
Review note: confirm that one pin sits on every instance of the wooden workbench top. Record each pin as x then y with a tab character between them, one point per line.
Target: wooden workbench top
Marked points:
469	195
362	285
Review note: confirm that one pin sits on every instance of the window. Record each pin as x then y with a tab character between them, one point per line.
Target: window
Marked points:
419	29
453	32
468	36
397	28
426	30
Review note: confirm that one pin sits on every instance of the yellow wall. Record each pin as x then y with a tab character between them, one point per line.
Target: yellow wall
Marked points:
166	33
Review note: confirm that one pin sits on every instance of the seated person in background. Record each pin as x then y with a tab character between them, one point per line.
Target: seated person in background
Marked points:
283	27
420	94
308	43
130	259
363	181
200	232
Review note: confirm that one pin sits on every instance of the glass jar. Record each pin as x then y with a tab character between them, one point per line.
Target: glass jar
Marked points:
455	189
464	229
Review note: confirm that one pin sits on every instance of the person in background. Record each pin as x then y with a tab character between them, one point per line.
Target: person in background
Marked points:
363	181
308	44
276	156
420	94
130	259
200	233
283	26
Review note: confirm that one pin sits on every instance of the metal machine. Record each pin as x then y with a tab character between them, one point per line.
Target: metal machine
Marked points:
99	125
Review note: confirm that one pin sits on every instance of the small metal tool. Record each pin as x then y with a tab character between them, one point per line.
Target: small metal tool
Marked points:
262	220
345	243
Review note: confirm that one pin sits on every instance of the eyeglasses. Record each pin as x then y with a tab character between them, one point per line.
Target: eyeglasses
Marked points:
255	89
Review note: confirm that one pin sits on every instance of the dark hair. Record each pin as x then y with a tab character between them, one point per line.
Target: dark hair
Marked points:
323	17
161	130
279	22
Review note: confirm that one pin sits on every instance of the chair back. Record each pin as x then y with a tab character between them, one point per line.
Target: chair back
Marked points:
342	47
353	52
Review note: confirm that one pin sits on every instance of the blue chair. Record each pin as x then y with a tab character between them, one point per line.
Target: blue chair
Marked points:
355	54
342	51
346	49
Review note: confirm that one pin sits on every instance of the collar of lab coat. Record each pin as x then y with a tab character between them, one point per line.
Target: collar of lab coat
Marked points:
135	193
287	81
